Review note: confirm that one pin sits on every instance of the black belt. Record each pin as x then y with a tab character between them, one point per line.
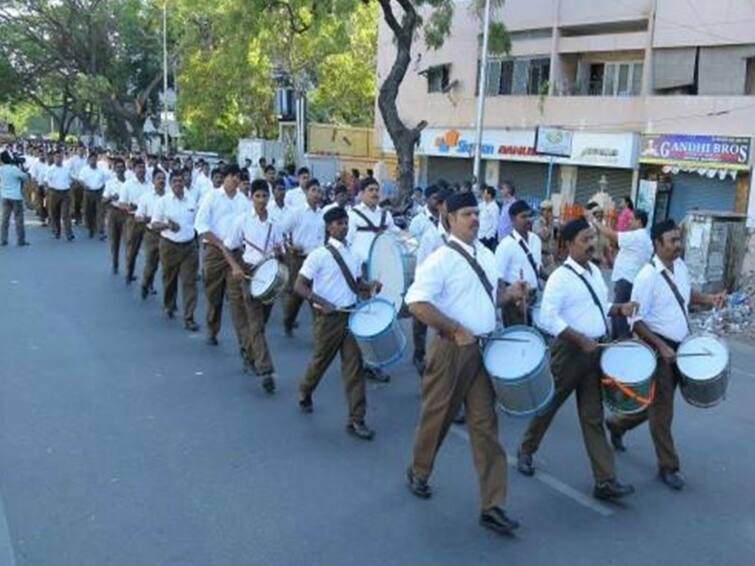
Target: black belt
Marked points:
94	190
187	243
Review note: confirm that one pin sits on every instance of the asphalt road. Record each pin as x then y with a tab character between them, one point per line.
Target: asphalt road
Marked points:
125	440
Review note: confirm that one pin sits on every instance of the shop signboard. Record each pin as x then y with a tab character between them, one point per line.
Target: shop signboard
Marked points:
698	152
556	142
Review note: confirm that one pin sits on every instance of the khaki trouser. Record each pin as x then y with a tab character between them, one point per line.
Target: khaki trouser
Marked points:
40	200
115	224
659	414
573	370
332	335
77	201
30	193
179	261
134	235
293	301
58	203
151	257
93	212
257	313
217	284
419	335
454	376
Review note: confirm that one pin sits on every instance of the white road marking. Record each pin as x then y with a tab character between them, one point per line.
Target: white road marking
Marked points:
7	556
552	482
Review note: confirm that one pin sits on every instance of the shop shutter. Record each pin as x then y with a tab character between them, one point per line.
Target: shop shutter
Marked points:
453	170
588	183
692	191
530	179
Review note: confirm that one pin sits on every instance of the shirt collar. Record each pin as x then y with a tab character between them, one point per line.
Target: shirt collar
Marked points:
577	267
336	243
517	236
466	247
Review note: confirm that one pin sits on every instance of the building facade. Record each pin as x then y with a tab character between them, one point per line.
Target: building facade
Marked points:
659	95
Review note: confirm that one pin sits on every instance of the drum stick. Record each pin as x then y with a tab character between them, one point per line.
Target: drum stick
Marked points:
504	339
693	354
524	300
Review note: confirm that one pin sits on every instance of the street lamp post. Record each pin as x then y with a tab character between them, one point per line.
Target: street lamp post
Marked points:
481	95
165	75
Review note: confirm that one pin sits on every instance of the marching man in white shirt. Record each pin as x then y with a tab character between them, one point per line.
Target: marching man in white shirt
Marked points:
93	180
330	280
76	163
368	219
174	218
307	230
574	310
340	198
297	197
664	292
428	215
116	217
129	197
276	206
261	239
519	257
456	291
490	213
145	210
58	184
215	220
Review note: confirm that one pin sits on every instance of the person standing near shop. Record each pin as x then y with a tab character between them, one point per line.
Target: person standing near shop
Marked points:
12	179
508	192
626	209
489	214
543	227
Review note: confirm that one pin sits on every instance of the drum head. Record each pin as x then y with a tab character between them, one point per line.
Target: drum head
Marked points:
702	368
263	277
629	361
371	318
387	264
516	359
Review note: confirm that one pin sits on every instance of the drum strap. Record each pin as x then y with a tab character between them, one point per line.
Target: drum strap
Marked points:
477	268
370	226
592	294
531	259
263	251
677	294
350	281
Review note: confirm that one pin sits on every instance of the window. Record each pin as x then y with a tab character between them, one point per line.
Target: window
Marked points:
615	79
750	77
516	76
437	78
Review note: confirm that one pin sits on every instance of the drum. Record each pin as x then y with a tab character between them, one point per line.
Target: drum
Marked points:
268	279
703	361
378	333
518	363
392	261
628	367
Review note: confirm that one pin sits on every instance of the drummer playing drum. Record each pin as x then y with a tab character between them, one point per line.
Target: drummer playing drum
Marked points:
663	291
261	239
456	292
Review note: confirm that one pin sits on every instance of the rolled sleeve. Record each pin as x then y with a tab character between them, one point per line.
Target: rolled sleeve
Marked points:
642	294
311	266
202	221
551	319
428	282
236	236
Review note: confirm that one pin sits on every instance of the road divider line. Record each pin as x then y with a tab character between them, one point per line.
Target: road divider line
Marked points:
552	482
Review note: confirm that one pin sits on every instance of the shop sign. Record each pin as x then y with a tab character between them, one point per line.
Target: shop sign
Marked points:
553	141
701	152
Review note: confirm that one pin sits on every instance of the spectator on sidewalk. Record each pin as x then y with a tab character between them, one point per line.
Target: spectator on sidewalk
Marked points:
12	179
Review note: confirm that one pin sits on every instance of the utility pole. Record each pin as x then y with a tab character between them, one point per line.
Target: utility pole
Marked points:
165	76
481	95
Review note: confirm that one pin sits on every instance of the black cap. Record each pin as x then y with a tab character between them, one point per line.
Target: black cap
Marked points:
367	182
335	213
443	194
431	190
570	230
460	200
518	207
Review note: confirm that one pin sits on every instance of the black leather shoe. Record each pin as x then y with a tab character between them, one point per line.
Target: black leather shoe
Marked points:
418	487
268	384
288	331
3	243
71	237
460	417
24	243
377	375
191	326
130	279
496	520
612	489
170	313
419	365
145	293
617	438
672	478
524	464
212	341
115	270
305	404
360	430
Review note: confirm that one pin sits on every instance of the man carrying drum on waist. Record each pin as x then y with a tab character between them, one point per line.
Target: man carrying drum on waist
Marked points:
575	310
330	280
261	239
663	291
456	291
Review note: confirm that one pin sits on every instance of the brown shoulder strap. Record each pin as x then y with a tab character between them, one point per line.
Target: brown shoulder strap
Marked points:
677	294
350	281
477	268
370	226
593	295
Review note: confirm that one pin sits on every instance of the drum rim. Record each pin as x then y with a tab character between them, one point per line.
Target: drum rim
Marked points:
503	330
647	347
404	262
727	368
382	332
538	409
393	359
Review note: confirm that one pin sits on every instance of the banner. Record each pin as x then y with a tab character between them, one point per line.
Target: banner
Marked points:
699	152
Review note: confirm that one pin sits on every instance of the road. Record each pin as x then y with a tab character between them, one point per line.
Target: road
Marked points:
125	440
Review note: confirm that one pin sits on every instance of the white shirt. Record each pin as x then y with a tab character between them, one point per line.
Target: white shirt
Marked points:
277	213
38	171
635	250
76	164
113	188
431	240
132	190
512	262
421	222
259	237
448	282
58	177
307	228
103	166
200	189
181	211
568	303
361	241
328	281
295	198
218	212
93	179
658	307
489	213
147	205
332	205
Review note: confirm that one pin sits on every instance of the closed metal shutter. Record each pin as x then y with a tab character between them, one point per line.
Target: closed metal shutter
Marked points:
692	191
453	170
530	180
588	183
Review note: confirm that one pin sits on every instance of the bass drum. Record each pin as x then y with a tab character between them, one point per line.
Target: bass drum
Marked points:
703	361
392	261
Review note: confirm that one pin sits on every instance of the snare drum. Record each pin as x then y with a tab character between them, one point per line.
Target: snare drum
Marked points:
268	279
392	261
628	367
518	363
378	333
703	361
